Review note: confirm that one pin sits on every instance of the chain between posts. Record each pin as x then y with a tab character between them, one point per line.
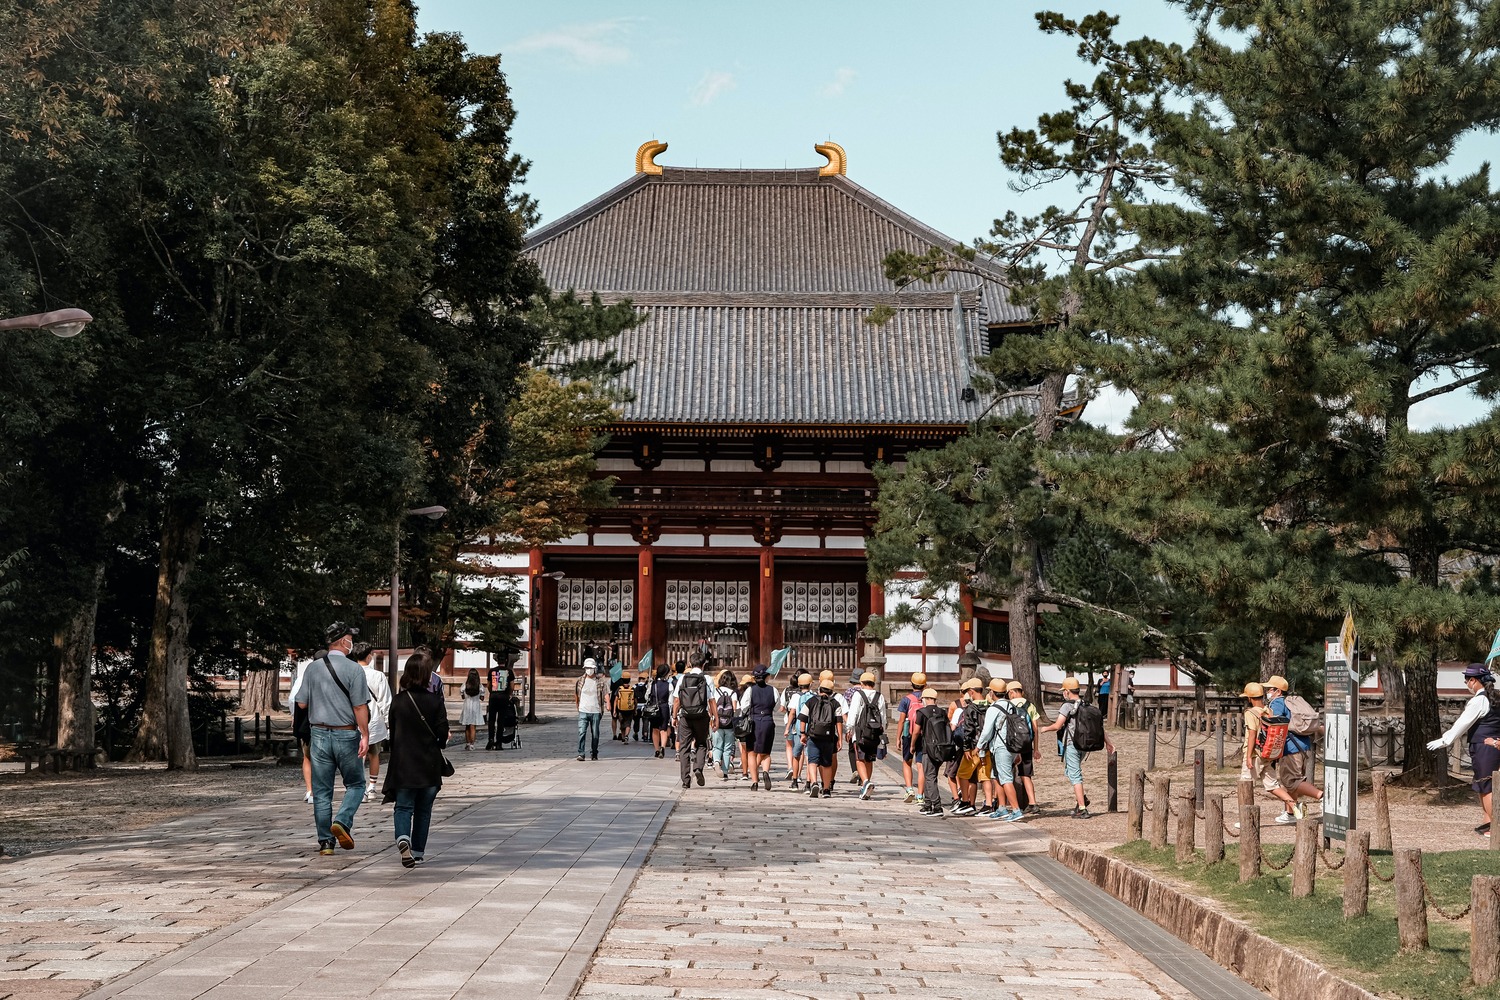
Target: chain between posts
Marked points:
1233	833
1376	871
1273	865
1329	864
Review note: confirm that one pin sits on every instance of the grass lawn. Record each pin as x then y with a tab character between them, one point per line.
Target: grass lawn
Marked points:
1365	951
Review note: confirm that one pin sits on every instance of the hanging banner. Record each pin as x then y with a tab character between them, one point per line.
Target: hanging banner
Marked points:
1341	742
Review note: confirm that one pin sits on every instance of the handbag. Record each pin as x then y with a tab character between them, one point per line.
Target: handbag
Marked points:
744	728
447	764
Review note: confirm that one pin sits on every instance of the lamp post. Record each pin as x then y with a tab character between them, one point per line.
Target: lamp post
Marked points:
925	618
58	322
534	642
390	668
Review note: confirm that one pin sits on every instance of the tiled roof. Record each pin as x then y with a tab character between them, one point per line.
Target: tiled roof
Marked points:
755	285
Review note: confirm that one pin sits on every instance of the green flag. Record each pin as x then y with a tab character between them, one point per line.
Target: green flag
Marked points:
647	662
779	658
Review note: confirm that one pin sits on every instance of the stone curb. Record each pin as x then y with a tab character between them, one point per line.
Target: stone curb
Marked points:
1253	957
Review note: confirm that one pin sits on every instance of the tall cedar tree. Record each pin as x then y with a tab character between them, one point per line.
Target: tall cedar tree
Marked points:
978	513
1328	275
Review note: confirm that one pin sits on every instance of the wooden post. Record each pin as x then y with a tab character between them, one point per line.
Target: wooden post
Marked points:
1484	930
1161	808
1186	823
1411	908
1249	843
1182	744
1136	818
1381	840
1213	829
1198	778
239	735
1305	859
1219	741
1112	782
1356	873
1151	746
1246	791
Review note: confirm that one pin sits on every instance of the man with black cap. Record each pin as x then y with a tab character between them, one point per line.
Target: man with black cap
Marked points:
337	699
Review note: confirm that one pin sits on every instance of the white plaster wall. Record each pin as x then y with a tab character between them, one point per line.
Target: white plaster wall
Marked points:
798	542
613	538
696	541
843	542
732	541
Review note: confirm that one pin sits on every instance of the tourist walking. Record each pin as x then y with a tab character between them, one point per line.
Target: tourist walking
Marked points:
1292	768
337	699
866	723
796	741
1256	765
759	702
471	715
1000	732
974	774
500	713
380	706
641	724
1480	723
822	718
726	707
659	709
300	730
419	731
690	710
625	708
619	723
913	774
591	693
1025	763
1075	741
933	733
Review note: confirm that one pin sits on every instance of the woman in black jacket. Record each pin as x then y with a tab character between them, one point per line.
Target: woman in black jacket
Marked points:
419	731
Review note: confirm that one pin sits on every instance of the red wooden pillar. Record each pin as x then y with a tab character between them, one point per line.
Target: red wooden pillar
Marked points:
877	599
538	633
645	601
766	639
966	623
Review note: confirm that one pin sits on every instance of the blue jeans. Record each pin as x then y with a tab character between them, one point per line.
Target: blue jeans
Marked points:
723	748
413	814
588	726
336	749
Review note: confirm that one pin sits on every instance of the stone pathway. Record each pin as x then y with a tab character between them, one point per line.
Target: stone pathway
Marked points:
756	894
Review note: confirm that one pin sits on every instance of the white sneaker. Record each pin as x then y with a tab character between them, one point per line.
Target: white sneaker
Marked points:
1285	819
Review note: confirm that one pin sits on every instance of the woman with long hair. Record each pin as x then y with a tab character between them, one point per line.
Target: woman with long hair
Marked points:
473	709
419	731
721	732
1480	720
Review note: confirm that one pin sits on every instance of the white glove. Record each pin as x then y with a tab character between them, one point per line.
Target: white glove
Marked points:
1437	744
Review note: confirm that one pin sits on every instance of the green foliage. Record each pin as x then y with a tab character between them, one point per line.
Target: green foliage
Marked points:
490	618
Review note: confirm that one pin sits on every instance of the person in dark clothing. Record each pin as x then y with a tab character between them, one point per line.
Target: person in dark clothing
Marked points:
499	706
928	718
660	697
419	731
759	702
640	724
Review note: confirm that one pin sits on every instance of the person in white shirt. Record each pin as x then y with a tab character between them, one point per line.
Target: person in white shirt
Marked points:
380	708
822	718
866	726
1480	721
592	695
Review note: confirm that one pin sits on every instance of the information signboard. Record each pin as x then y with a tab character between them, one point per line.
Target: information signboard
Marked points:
1341	743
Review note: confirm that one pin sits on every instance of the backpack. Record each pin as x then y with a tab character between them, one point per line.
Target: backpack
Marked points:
692	696
1088	728
1017	730
937	738
625	700
1270	738
869	729
724	709
905	709
822	717
1028	733
967	737
1305	719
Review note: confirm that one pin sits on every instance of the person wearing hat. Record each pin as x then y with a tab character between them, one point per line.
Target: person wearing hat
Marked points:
640	722
1480	722
796	743
1025	761
1291	768
822	718
1072	757
1255	767
974	775
998	718
591	695
911	752
866	723
929	721
759	702
336	696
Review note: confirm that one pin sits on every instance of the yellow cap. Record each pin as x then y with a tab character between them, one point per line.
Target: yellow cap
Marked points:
805	679
918	679
1013	686
1070	684
748	679
1278	682
825	684
997	684
1253	690
826	675
929	693
972	684
867	678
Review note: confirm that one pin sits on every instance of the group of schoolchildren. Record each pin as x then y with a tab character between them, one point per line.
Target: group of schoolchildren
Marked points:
984	742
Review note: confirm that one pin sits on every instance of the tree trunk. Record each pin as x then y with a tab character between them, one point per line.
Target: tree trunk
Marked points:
1025	647
262	688
74	642
166	730
1392	683
1272	654
1422	766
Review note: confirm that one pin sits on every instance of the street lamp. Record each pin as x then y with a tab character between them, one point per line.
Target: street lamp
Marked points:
431	512
534	640
59	322
925	620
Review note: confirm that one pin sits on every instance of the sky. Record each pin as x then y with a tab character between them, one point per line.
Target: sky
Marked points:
915	93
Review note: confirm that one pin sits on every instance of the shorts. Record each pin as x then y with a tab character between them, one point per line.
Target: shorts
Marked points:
823	751
379	746
950	769
1072	764
1263	771
908	753
798	747
1025	763
867	752
1004	762
975	766
1289	769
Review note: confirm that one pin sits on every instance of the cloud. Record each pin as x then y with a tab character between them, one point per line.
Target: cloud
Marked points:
839	83
714	83
598	43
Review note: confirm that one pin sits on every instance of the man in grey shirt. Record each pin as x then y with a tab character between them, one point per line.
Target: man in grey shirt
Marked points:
337	698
